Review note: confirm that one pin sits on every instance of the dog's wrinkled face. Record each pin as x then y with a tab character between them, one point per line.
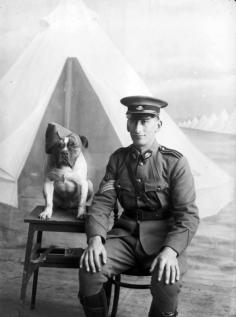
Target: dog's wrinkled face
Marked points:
66	151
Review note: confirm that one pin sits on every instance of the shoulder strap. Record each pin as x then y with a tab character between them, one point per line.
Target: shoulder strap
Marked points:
165	150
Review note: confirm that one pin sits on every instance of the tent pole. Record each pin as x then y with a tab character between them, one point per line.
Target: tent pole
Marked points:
68	92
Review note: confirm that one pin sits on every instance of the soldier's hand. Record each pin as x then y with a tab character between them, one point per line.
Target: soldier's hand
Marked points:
167	264
94	255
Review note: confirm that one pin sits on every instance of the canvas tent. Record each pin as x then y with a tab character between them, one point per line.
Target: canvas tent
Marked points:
219	125
194	123
202	122
230	126
210	122
71	73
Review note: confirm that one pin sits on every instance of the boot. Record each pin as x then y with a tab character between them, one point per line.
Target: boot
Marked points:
95	305
154	312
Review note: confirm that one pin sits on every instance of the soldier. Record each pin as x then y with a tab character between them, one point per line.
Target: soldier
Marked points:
155	188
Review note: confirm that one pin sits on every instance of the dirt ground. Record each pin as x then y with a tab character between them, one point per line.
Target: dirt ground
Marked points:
209	287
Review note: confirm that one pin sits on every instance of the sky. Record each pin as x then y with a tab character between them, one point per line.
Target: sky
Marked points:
183	50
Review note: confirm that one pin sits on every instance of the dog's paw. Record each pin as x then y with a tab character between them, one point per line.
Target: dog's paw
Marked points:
81	212
46	214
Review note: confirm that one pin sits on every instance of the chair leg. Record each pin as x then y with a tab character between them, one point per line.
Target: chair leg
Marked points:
26	270
108	288
34	289
116	296
36	272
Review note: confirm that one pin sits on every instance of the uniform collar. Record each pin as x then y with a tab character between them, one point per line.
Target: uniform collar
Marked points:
135	153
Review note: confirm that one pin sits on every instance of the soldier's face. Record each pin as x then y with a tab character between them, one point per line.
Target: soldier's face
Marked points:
142	130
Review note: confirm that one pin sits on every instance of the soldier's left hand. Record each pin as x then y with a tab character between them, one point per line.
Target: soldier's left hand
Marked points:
167	265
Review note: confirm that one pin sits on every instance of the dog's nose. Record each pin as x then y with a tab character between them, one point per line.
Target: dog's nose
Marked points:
64	149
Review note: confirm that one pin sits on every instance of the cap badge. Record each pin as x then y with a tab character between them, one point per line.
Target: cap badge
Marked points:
139	108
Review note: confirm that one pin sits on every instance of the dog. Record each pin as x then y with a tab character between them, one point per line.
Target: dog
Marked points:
66	184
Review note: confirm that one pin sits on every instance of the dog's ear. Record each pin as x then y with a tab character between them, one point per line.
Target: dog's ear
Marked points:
51	138
84	141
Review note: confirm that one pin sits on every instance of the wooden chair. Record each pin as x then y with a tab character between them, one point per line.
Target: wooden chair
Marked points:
117	282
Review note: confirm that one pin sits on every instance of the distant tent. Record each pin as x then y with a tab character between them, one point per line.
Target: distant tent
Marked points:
182	124
194	123
210	122
202	122
220	123
230	126
187	123
72	73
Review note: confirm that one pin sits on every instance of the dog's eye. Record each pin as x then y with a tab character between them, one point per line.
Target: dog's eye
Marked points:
61	144
71	143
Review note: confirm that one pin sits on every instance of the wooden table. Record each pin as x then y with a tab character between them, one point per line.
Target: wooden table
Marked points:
37	256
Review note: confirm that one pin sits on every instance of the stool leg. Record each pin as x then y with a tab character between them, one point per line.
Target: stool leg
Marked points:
27	269
34	289
36	272
116	296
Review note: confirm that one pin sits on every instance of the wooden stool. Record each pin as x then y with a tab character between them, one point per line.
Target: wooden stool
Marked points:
36	256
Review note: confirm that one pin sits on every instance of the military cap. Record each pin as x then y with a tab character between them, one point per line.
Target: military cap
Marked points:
143	105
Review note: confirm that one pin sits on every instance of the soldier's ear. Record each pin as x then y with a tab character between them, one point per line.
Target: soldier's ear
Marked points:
159	124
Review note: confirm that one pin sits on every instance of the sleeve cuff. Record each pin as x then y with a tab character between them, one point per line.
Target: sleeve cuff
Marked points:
94	229
177	241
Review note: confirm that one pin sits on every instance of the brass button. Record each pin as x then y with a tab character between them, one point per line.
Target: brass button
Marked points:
139	180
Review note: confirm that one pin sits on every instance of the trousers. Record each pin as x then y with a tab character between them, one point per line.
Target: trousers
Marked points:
122	254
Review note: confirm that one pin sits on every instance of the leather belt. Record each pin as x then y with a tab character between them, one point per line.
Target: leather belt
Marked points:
143	215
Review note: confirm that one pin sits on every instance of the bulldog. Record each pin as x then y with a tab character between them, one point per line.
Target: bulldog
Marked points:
66	184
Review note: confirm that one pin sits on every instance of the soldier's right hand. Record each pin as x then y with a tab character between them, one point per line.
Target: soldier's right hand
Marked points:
94	255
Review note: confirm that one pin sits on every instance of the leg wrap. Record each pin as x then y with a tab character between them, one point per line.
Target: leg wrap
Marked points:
154	312
95	305
165	297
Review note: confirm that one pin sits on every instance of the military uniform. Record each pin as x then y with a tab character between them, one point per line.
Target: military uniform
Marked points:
157	195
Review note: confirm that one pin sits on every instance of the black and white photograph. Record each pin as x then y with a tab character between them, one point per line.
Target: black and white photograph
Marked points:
118	158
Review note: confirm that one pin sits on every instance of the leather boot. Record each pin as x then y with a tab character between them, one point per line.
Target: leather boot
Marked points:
95	305
154	312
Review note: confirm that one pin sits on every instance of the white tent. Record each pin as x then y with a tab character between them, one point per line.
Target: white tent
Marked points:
210	122
230	126
194	123
183	124
92	82
187	124
202	122
220	123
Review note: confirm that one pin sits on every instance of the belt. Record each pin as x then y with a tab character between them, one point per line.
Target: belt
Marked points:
144	215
